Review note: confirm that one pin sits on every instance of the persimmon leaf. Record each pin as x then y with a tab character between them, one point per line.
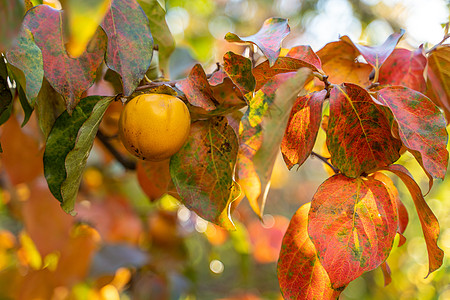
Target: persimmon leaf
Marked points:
261	131
386	273
306	54
300	274
303	126
197	89
264	71
130	43
339	63
83	19
202	170
68	146
358	136
377	55
26	56
402	213
405	67
156	12
5	93
439	75
268	38
239	69
68	76
11	14
421	126
352	220
429	222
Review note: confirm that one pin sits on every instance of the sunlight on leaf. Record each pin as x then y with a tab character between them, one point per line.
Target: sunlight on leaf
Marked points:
239	69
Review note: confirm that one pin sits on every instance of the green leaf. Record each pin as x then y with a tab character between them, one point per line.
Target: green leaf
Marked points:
359	136
68	76
27	109
49	106
261	131
68	147
5	93
156	12
130	43
203	169
26	57
268	38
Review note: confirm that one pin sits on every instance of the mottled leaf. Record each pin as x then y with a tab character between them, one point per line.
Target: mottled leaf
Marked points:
84	16
429	222
217	77
377	55
26	56
303	126
359	136
197	89
202	170
402	213
268	38
306	54
156	13
439	75
68	146
405	67
352	223
11	14
421	126
228	97
300	274
69	77
5	93
264	72
239	69
261	131
339	63
130	43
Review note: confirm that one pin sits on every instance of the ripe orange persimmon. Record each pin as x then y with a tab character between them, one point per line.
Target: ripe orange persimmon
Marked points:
154	126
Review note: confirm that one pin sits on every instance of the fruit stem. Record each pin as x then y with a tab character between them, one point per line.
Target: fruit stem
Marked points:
325	161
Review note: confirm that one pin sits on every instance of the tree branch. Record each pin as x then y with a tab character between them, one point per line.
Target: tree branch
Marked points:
325	161
124	161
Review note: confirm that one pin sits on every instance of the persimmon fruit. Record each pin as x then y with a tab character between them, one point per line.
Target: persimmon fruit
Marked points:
154	127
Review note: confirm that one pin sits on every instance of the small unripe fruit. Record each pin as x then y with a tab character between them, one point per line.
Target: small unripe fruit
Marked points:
154	126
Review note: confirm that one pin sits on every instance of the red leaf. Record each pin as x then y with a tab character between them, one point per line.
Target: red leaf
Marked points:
153	177
217	77
405	67
302	128
402	213
264	72
429	222
197	89
386	273
352	223
239	69
203	169
359	136
300	274
421	126
130	43
339	63
377	55
268	38
306	54
68	76
439	75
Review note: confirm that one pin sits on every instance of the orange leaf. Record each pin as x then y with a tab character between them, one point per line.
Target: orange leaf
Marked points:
429	222
300	274
153	177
